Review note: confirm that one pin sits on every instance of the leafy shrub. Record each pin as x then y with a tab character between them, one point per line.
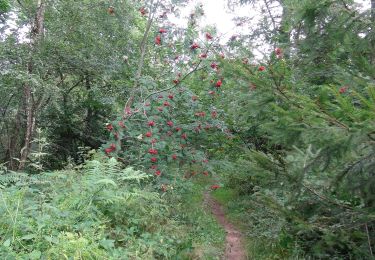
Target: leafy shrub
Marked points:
99	212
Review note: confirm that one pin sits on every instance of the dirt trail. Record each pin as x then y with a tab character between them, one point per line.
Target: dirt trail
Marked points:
234	249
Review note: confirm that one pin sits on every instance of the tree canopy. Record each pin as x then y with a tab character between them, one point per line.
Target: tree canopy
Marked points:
113	119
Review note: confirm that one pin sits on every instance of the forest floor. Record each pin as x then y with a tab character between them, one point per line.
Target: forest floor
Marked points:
234	249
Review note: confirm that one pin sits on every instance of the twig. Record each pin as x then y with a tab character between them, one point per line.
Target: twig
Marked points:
270	14
176	85
322	197
368	240
184	77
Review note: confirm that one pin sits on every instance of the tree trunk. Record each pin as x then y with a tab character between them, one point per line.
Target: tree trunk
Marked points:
30	105
373	32
143	49
13	142
90	111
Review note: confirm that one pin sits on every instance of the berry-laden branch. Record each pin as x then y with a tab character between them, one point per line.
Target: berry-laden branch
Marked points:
196	68
178	83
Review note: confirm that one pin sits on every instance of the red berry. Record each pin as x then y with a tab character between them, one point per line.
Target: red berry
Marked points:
143	11
342	90
208	36
170	123
158	40
218	83
194	46
152	151
203	55
170	96
261	68
110	149
166	104
278	51
162	30
121	124
158	173
151	123
201	114
154	159
109	127
183	136
148	134
174	156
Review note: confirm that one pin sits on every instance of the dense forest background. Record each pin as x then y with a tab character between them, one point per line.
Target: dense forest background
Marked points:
114	121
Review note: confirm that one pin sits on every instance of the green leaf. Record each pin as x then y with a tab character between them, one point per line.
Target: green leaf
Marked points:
36	254
28	237
7	243
107	182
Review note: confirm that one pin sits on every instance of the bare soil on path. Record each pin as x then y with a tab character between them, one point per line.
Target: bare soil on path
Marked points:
234	249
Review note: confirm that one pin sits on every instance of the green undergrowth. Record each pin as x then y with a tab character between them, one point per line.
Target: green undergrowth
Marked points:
260	225
208	236
102	211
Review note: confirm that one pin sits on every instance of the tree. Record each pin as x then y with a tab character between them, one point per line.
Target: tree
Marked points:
306	119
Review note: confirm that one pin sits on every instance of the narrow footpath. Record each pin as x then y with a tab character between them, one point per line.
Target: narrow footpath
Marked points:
234	249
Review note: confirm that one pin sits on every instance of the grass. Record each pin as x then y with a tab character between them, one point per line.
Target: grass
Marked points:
208	237
252	220
224	195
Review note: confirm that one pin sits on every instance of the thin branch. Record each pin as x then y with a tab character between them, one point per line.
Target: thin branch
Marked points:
143	47
323	198
179	83
369	240
184	77
270	14
8	103
352	166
